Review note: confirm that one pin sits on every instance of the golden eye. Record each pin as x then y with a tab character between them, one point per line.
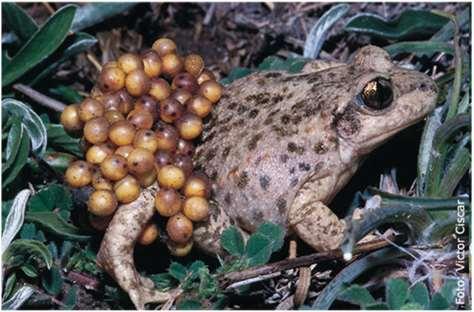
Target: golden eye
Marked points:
377	94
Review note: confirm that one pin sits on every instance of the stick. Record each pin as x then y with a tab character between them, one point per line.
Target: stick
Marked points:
287	264
39	97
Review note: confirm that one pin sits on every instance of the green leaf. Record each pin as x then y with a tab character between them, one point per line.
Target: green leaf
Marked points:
178	271
163	281
258	249
58	161
419	294
9	285
18	298
52	197
319	31
189	304
411	306
19	161
18	21
52	281
449	290
357	295
232	241
236	73
274	233
13	142
29	270
94	13
54	224
196	266
447	32
44	42
419	48
68	94
28	247
377	306
396	293
32	122
61	140
438	302
273	63
73	45
410	24
70	299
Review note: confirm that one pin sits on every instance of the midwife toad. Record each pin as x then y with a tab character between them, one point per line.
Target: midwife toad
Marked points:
280	146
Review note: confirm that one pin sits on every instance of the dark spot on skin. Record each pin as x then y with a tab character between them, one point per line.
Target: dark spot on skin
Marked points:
281	204
347	123
320	148
232	105
298	106
227	198
242	109
268	120
294	182
253	113
239	123
292	170
304	166
211	135
211	153
285	119
280	131
213	175
276	99
284	158
264	182
225	120
284	90
272	75
293	148
257	215
253	141
261	82
296	119
225	96
225	152
289	95
260	99
243	180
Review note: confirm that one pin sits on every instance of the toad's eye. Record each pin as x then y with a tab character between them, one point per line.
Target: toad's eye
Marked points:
377	94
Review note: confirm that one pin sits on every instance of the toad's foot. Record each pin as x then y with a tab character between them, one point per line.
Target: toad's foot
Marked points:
316	224
116	251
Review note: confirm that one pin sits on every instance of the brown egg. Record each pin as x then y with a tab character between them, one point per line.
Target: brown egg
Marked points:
185	81
70	118
170	110
199	105
197	184
171	176
102	203
189	126
185	163
179	228
205	76
167	137
146	139
124	150
101	183
96	130
168	202
180	250
90	108
160	89
141	119
194	64
129	62
122	133
137	82
196	208
146	179
111	101
127	189
152	63
126	102
149	104
78	174
181	95
97	153
185	148
140	161
113	116
149	234
111	79
114	167
211	90
162	159
164	46
172	65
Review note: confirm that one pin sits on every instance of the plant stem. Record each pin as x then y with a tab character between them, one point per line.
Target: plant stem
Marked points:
39	97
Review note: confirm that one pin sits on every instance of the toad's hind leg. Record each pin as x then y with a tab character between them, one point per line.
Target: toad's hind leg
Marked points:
317	225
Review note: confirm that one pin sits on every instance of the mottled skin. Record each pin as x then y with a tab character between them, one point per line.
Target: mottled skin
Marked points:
278	148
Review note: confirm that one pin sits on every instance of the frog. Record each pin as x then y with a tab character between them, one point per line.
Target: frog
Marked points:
280	145
277	148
